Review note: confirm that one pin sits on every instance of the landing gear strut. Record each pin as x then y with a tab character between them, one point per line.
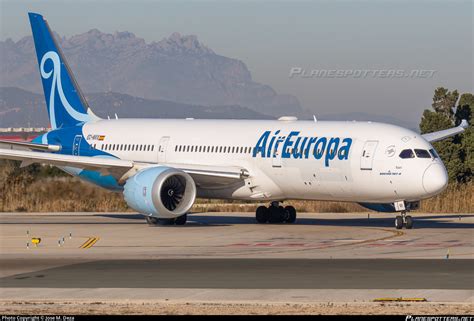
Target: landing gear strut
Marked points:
153	221
275	213
403	220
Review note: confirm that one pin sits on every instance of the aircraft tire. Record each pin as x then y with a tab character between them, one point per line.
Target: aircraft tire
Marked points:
165	221
291	214
181	220
398	222
409	222
276	214
262	214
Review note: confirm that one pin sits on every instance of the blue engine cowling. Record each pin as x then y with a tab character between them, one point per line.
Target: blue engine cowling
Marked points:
163	192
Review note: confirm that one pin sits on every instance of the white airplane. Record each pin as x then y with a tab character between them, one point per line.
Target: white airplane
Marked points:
162	165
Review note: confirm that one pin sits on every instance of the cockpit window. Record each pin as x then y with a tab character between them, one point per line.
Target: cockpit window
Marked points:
422	153
434	153
407	153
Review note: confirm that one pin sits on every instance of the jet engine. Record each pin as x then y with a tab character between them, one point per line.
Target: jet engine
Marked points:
162	192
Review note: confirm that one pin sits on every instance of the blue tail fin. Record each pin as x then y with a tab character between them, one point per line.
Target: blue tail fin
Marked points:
64	100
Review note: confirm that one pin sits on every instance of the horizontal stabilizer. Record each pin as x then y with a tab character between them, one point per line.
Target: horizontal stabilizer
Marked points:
9	144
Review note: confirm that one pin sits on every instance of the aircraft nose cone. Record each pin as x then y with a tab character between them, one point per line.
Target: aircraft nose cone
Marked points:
435	179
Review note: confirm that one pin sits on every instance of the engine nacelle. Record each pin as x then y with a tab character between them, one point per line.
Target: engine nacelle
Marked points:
163	192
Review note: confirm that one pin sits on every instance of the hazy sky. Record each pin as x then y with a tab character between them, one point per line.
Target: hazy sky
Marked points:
272	37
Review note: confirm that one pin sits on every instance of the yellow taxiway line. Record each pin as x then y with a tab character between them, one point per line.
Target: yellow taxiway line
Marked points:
400	300
89	243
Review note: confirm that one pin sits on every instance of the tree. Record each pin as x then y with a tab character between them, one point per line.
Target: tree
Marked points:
466	140
456	152
444	101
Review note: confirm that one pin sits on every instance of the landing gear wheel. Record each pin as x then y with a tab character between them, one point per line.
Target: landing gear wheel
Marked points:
166	221
262	214
398	222
181	220
276	214
408	222
291	214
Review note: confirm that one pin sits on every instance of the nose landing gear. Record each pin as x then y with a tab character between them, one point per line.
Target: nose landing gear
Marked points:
275	213
403	220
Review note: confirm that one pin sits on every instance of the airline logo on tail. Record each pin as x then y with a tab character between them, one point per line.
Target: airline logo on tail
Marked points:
56	83
66	105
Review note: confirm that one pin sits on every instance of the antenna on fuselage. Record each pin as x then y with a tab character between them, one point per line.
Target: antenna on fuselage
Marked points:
315	119
116	117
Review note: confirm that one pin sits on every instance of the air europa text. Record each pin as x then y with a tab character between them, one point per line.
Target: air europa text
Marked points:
298	147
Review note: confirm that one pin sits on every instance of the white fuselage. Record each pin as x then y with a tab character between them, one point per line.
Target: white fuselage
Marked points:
372	171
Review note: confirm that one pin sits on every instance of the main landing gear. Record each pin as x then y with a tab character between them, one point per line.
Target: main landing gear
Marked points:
181	220
403	220
275	214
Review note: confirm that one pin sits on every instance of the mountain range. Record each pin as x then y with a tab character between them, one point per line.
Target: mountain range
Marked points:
176	77
178	68
21	108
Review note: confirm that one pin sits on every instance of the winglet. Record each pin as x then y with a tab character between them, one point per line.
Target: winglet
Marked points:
442	134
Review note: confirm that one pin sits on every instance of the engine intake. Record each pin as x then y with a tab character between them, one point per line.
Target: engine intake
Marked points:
163	192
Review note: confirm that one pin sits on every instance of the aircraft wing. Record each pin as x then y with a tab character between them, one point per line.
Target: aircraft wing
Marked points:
101	164
207	176
442	134
204	175
10	144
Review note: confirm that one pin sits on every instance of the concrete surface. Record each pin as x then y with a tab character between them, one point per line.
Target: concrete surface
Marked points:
329	257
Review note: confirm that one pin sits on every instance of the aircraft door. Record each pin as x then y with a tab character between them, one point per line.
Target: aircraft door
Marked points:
162	146
367	157
76	145
276	157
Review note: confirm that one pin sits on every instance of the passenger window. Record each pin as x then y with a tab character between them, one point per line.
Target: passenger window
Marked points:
407	153
434	153
422	153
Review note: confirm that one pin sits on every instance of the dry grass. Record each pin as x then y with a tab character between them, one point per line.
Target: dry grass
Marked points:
137	307
457	198
27	193
61	195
